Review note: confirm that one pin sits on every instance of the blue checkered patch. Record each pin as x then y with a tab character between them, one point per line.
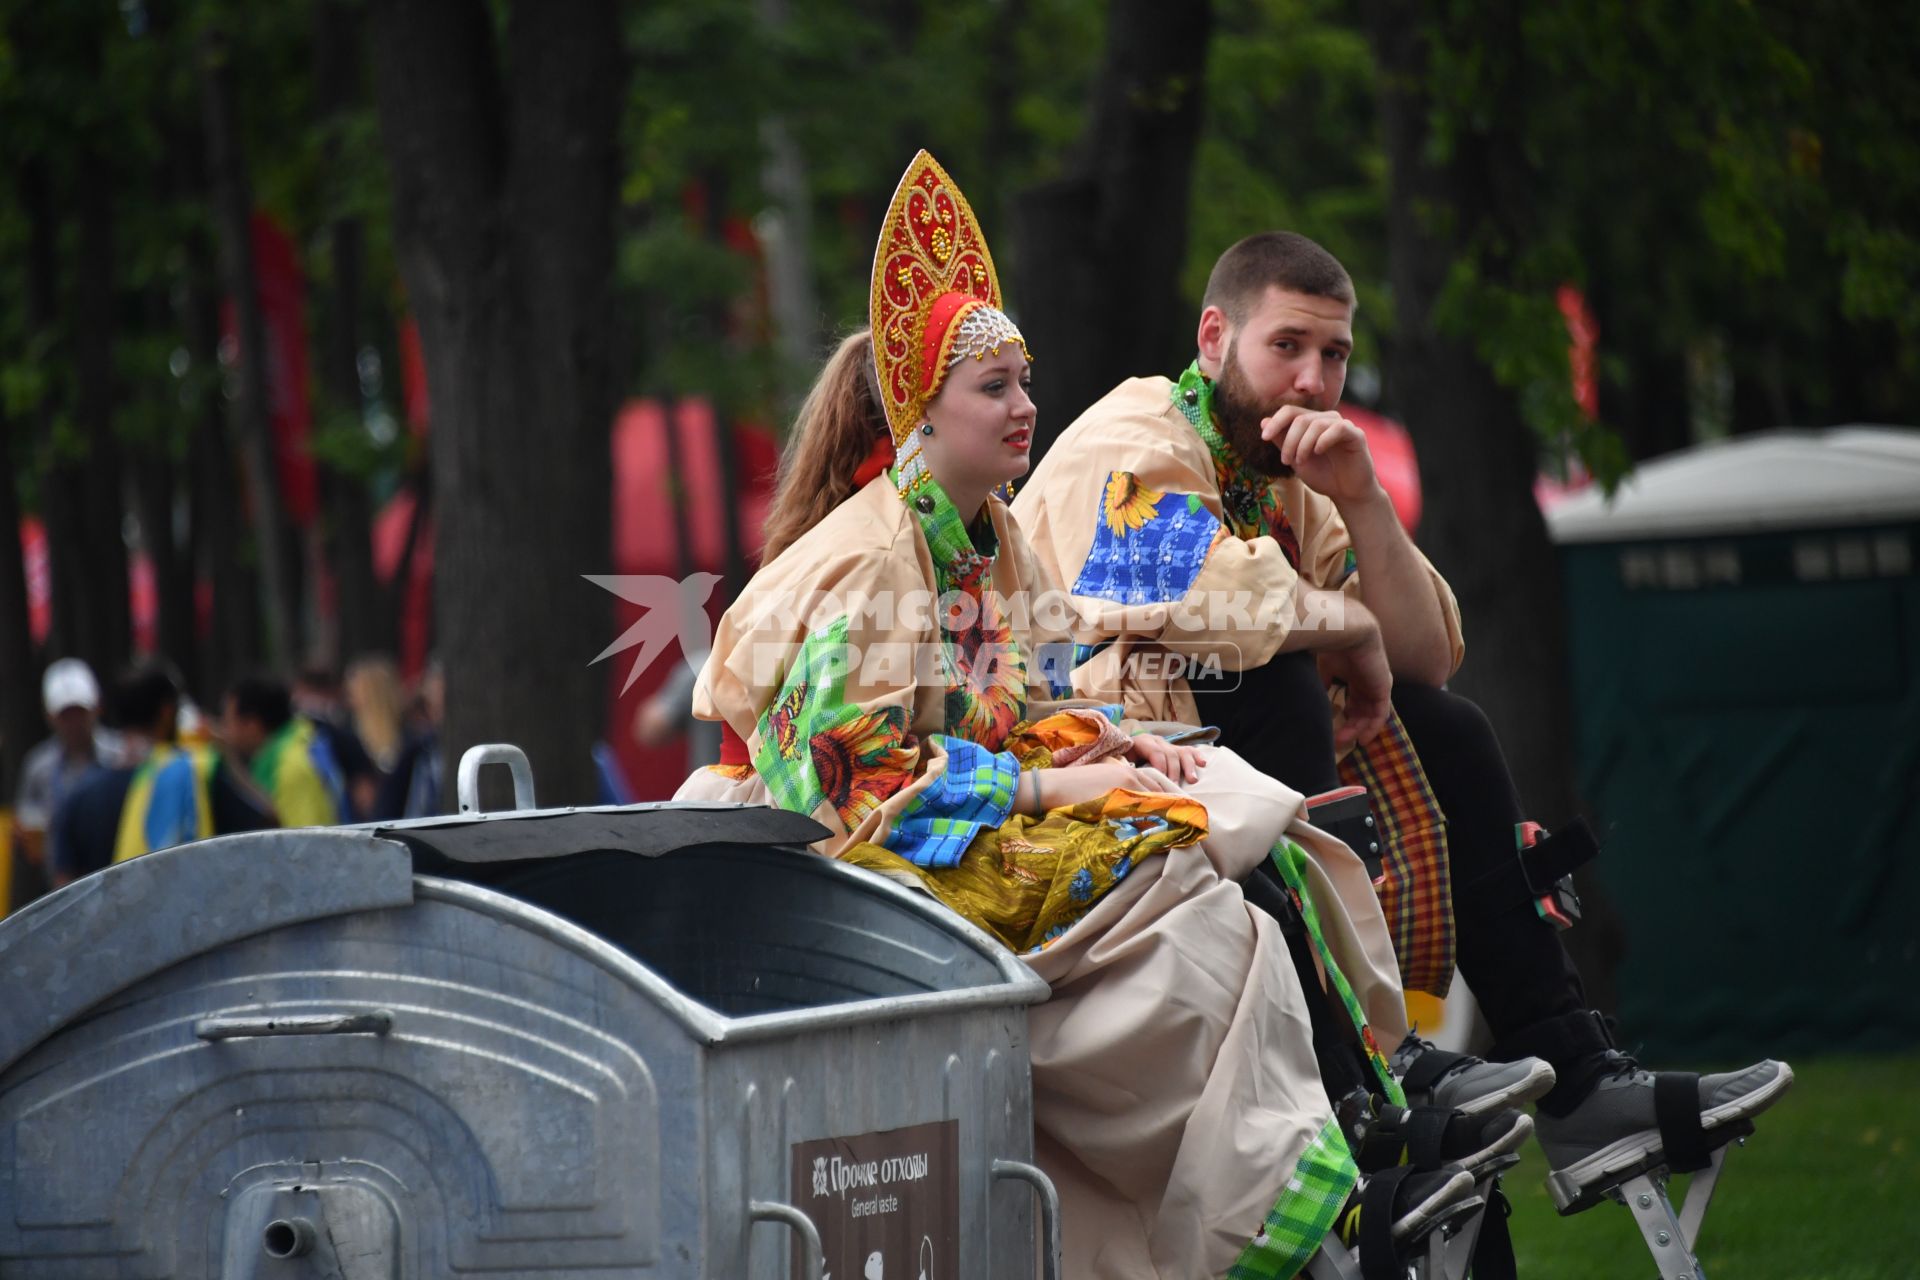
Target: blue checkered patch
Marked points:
1147	547
976	791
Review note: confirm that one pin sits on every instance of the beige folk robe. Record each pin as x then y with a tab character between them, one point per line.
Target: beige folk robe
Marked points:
1136	429
1177	1103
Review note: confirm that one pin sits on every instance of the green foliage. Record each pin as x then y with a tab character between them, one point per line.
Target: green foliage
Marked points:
1679	163
1733	181
340	440
996	91
1289	141
1521	335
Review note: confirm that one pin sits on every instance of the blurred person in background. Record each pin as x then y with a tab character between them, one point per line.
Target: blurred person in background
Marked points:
412	789
286	755
376	704
318	695
53	769
157	793
669	713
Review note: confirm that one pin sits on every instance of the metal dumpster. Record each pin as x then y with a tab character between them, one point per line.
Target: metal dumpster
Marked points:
659	1040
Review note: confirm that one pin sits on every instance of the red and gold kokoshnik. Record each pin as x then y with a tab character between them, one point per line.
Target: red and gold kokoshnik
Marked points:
935	296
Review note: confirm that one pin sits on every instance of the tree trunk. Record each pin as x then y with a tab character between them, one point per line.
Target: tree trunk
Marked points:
217	522
1648	404
59	501
90	490
503	205
1096	286
1650	407
1481	525
363	624
720	330
233	221
788	237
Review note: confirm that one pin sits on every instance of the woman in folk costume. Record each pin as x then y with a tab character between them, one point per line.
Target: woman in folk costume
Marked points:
882	673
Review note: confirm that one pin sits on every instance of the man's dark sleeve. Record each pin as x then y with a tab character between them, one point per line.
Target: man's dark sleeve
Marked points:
349	751
87	823
391	804
233	808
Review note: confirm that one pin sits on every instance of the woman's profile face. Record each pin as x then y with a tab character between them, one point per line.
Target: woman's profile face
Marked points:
983	422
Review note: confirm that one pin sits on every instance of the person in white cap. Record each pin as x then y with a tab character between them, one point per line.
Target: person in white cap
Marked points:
53	768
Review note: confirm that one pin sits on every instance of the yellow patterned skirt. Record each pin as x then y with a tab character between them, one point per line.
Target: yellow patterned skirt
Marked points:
1032	878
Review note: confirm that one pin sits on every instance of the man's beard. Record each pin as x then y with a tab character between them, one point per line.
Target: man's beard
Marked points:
1239	415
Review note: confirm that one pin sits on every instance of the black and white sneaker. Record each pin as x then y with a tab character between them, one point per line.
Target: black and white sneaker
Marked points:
1435	1077
1636	1119
1429	1138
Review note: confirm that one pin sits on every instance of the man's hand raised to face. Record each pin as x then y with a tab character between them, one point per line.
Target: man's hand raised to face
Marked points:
1325	450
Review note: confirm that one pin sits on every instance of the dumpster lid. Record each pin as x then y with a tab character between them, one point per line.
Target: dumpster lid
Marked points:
1776	480
513	835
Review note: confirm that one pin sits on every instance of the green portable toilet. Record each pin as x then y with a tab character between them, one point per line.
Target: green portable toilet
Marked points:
1744	632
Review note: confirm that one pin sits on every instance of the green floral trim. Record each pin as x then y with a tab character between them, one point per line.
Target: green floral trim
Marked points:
1252	508
956	560
1193	396
1298	1223
1291	861
986	673
814	746
1244	492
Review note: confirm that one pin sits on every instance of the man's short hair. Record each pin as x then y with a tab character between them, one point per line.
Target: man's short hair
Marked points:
1282	259
262	698
140	695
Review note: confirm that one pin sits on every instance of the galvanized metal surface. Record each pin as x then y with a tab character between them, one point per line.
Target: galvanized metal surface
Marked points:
73	948
780	941
450	1078
474	759
1049	1196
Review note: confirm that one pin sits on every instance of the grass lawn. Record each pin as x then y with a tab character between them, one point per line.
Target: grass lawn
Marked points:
1825	1190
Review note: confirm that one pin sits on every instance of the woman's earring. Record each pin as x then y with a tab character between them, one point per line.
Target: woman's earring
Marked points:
926	428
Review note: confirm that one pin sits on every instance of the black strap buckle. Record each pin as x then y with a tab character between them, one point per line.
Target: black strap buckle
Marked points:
1548	861
1347	815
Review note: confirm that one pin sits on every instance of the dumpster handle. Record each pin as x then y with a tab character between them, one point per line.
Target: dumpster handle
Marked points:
378	1022
1049	1208
774	1211
468	781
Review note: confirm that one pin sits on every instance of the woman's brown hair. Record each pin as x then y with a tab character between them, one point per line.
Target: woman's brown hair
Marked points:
839	424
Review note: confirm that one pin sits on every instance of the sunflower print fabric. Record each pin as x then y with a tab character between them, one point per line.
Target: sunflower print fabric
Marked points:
1148	546
986	676
814	747
985	672
1128	504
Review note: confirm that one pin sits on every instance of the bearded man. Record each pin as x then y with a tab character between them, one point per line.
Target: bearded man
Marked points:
1226	534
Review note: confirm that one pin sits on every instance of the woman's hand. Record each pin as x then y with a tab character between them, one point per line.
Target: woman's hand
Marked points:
1182	764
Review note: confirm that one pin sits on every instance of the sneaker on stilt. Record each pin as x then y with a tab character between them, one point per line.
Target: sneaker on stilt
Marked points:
1635	1118
1435	1077
1414	1202
1429	1137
